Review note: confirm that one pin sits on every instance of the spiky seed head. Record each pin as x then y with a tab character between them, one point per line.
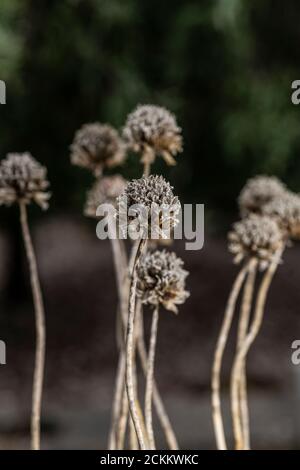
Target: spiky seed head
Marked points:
150	201
255	237
161	280
285	209
152	130
104	191
96	146
23	179
258	191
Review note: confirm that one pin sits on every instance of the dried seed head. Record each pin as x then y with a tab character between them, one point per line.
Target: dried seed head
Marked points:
259	191
152	130
151	202
285	209
255	236
104	191
161	280
23	179
97	146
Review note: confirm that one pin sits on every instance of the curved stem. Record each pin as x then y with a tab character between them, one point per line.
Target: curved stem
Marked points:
158	403
149	379
242	353
129	353
218	357
242	331
39	366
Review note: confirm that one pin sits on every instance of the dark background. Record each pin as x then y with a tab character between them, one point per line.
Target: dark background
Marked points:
225	68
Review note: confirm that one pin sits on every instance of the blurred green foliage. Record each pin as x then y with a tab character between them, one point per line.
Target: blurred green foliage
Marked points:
224	67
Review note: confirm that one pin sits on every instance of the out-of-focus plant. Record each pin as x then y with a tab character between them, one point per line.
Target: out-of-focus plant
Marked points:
23	181
271	217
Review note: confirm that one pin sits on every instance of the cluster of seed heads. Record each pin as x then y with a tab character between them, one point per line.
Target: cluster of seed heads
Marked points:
161	280
152	130
151	201
104	191
255	237
23	179
97	146
286	211
267	195
259	191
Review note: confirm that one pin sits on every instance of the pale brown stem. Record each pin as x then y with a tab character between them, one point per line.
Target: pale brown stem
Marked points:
242	353
120	264
122	423
117	402
158	403
39	366
149	379
132	399
218	356
133	442
123	418
147	169
242	331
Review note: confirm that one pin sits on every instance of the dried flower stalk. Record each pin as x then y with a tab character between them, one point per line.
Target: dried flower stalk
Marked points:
218	357
23	180
158	403
40	332
149	379
134	412
152	130
242	331
97	146
243	350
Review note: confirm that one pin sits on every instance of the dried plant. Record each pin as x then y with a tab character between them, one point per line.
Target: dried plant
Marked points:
22	181
256	241
285	209
105	191
248	340
259	191
244	320
146	192
152	130
97	146
161	281
154	195
218	358
255	236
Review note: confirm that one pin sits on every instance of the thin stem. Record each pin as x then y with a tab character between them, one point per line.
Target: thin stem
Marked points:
149	379
129	353
39	366
218	356
147	169
242	353
120	264
122	422
117	402
133	442
242	331
158	403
